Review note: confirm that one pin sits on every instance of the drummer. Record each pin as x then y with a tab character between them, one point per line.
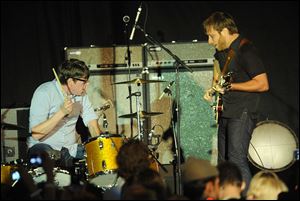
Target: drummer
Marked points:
55	108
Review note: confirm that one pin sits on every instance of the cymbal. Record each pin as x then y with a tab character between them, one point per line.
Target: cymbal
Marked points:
139	81
143	114
7	126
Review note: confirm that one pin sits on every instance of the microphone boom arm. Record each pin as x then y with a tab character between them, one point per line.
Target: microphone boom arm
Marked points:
152	40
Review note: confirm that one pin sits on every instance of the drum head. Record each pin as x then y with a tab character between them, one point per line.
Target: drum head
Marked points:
272	146
104	181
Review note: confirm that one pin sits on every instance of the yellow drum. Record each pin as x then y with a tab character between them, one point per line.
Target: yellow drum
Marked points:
101	154
6	171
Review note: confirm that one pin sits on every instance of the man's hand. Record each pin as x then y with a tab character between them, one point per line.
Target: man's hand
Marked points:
208	96
67	106
222	88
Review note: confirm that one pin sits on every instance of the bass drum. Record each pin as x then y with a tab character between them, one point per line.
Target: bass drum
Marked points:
273	146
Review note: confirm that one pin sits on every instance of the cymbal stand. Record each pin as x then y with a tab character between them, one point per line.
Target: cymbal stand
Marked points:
138	110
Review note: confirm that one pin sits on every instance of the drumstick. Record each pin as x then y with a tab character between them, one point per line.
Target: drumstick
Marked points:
62	90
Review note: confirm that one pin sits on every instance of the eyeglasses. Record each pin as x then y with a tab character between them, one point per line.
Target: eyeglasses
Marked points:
84	81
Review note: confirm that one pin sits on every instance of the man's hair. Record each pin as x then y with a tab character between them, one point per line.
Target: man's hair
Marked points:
229	173
219	21
72	68
132	157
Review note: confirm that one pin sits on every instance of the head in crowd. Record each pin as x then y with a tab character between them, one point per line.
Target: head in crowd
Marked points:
150	180
200	179
265	185
231	181
132	157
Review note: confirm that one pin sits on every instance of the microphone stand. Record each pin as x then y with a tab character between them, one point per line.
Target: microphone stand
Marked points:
129	77
177	64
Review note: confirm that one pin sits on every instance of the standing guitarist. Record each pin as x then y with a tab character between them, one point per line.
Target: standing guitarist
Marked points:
240	97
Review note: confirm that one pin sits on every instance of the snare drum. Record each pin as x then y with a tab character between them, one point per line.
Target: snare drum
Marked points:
61	177
101	154
272	146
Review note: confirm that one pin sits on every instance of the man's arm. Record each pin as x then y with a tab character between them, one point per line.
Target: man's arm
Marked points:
94	128
258	83
41	130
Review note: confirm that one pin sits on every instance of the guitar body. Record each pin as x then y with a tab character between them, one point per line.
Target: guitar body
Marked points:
218	106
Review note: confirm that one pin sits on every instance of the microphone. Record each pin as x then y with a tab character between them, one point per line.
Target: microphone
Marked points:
136	20
126	19
167	90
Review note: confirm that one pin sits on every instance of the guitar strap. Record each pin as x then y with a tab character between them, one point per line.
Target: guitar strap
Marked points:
231	54
229	58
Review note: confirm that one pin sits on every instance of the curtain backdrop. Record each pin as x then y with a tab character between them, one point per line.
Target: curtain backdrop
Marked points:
34	34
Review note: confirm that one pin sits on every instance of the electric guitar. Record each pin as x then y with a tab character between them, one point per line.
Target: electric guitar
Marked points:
217	105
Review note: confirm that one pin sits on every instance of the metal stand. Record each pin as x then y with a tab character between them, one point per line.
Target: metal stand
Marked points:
128	58
177	135
138	110
178	63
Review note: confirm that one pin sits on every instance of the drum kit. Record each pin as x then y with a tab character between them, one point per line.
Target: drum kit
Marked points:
99	166
101	151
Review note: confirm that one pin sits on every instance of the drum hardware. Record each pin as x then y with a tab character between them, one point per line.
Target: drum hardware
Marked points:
143	114
154	145
7	126
139	81
153	138
102	108
105	123
140	115
154	163
100	144
103	165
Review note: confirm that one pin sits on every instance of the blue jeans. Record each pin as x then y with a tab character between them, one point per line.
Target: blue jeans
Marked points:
234	137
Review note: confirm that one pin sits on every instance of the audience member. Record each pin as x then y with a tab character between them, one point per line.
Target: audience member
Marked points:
200	179
265	185
231	181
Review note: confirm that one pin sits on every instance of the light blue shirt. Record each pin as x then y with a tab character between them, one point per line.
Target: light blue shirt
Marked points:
46	101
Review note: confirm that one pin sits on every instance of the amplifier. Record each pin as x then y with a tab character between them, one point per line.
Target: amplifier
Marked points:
98	58
191	53
14	132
